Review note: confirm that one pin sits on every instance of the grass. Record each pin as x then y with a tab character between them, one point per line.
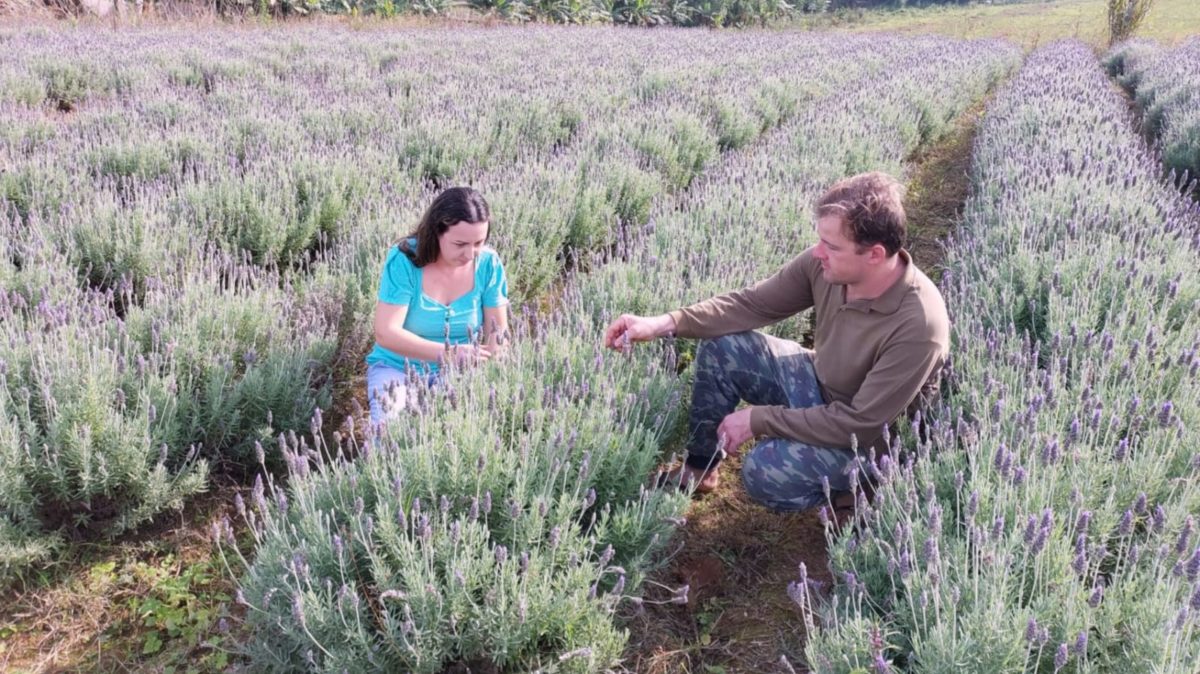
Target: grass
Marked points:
1034	23
152	601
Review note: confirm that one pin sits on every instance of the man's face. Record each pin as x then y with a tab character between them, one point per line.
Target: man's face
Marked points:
841	263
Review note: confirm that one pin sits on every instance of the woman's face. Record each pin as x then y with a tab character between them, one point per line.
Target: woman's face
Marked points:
462	242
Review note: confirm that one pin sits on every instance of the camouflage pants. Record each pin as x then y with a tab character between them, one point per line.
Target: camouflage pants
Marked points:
763	370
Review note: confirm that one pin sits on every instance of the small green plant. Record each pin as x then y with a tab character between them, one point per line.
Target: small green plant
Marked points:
1124	18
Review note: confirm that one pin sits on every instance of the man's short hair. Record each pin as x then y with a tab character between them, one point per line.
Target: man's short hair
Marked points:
871	207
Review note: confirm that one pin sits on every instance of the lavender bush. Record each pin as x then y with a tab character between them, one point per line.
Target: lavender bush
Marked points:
1045	522
1165	84
551	471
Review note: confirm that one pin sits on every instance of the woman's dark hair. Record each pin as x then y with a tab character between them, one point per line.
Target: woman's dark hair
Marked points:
452	206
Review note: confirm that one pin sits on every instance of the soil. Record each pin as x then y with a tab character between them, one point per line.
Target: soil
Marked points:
737	559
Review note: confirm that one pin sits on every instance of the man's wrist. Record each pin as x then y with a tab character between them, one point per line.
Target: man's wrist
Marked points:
666	325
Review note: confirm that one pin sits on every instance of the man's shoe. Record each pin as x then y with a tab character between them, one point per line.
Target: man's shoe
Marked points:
683	475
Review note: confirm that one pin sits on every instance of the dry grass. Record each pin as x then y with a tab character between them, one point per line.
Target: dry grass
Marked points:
101	605
1036	23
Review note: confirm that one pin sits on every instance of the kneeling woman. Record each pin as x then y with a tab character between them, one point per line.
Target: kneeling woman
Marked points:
443	298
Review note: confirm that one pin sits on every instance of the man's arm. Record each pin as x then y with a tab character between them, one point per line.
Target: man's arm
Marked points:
786	293
891	385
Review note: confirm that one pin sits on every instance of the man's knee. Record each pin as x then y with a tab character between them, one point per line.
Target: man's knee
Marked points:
773	479
788	475
725	345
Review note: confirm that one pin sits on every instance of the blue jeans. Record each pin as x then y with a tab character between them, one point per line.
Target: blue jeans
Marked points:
779	473
389	391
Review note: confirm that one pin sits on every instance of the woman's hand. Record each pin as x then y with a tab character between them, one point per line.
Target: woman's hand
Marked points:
469	355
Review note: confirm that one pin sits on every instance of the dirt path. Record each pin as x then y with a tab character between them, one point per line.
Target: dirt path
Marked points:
738	557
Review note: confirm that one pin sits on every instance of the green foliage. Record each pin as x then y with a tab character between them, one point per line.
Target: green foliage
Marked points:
680	154
1040	529
1124	18
1163	83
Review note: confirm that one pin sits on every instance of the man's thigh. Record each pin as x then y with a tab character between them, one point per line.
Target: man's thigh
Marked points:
764	370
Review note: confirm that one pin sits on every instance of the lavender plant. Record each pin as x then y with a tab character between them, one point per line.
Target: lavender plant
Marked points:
1163	82
1043	522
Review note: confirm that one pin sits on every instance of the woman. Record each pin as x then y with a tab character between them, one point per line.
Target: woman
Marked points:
443	298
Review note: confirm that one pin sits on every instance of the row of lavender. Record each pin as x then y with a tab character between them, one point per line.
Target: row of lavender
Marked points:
513	537
194	229
1046	522
1165	83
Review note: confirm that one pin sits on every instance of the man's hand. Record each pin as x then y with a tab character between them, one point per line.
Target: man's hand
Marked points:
621	333
734	430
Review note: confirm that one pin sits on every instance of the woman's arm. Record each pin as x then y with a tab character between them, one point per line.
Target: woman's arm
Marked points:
391	335
495	328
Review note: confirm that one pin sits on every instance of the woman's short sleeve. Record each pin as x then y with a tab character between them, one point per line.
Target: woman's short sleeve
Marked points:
398	282
495	293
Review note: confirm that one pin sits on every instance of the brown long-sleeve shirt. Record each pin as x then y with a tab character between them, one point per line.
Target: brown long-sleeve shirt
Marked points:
874	358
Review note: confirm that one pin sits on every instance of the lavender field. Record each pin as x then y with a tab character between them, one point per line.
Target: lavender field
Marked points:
192	232
1165	83
1048	521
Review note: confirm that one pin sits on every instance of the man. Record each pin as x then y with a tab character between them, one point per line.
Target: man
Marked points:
882	335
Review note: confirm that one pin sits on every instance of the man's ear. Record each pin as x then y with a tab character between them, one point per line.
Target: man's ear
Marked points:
877	253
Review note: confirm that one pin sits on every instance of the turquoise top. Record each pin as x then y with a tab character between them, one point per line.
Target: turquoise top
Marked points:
457	322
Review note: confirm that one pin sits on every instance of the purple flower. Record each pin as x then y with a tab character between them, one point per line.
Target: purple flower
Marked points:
1050	452
1165	414
1193	566
1122	449
796	593
501	554
1159	519
1031	530
1031	630
1185	535
1126	526
606	557
298	610
1060	657
1139	506
1081	523
931	556
1096	596
1081	642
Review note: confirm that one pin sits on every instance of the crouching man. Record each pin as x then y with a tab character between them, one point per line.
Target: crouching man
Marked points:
882	334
